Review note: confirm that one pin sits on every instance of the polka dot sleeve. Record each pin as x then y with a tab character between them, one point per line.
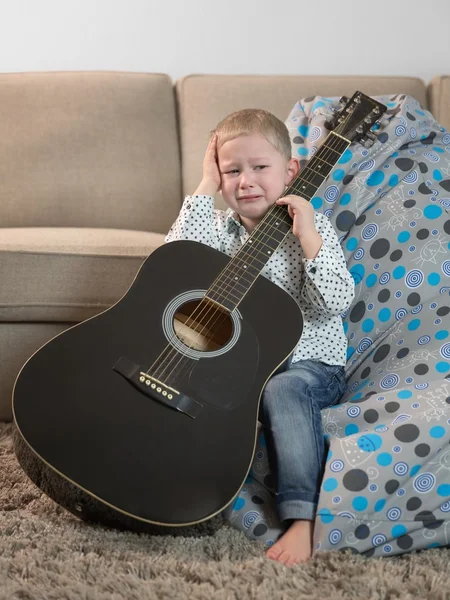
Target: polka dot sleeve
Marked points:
195	222
328	283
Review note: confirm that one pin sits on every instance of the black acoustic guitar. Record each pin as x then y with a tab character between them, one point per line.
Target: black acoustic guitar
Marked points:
146	414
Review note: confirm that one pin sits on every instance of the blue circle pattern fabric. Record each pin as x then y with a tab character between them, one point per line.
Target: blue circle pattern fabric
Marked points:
386	485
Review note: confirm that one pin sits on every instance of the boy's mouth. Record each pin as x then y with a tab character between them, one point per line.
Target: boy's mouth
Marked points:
250	198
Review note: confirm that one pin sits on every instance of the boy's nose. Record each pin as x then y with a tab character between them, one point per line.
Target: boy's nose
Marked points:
245	179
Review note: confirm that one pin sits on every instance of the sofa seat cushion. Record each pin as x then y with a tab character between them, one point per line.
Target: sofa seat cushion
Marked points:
67	274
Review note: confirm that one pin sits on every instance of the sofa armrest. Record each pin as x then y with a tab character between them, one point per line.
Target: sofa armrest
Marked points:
438	91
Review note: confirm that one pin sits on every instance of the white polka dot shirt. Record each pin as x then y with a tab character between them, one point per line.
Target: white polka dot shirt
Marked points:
322	287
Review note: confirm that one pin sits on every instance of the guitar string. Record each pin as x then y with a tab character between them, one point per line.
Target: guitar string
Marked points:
297	179
257	248
219	312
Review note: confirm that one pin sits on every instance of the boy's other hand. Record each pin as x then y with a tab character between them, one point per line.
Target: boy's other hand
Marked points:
211	181
302	213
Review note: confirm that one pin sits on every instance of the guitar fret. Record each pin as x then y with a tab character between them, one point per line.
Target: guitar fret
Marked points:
239	275
278	231
234	280
239	261
245	264
321	174
332	149
307	190
248	255
282	225
220	297
303	192
319	163
247	274
312	176
322	160
276	227
232	283
222	300
259	254
266	241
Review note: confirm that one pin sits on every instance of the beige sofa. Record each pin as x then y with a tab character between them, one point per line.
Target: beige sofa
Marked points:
93	169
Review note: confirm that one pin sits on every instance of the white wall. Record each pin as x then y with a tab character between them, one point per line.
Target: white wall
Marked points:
381	37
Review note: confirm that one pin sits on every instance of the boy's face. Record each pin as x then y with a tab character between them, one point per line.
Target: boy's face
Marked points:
254	175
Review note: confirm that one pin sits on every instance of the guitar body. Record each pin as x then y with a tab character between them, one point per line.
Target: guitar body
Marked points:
85	420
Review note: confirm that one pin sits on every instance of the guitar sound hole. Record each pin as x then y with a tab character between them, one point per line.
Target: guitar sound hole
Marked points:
203	326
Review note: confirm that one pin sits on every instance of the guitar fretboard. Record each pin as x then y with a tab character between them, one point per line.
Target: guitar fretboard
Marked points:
241	272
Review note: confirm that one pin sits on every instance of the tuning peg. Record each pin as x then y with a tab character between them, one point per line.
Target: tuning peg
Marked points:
343	100
368	140
331	124
367	143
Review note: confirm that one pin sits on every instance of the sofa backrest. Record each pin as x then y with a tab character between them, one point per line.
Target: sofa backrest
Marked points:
96	149
203	100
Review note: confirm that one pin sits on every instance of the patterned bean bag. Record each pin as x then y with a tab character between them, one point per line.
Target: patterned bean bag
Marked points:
386	486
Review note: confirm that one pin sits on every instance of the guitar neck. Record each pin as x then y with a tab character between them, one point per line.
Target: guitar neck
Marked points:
317	169
236	279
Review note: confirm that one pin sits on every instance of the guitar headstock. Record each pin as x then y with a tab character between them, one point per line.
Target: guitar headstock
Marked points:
356	118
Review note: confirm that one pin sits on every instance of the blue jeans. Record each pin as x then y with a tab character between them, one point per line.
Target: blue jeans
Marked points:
290	414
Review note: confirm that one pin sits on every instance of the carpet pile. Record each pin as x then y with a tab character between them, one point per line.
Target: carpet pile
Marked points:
46	553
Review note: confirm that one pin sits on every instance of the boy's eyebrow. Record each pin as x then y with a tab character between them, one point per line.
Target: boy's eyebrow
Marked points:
251	159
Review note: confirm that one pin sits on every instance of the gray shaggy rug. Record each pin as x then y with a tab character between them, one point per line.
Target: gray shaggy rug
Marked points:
46	553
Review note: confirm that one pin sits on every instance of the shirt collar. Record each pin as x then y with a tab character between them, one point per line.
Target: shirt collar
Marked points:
232	221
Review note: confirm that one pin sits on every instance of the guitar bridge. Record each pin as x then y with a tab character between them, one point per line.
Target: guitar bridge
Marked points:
155	389
157	386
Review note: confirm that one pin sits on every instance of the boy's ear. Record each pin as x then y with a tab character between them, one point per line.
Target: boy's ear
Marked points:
292	169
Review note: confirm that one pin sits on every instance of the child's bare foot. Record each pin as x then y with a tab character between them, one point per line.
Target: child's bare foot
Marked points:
295	545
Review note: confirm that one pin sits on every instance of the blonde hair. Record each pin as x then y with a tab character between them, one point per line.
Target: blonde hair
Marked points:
255	120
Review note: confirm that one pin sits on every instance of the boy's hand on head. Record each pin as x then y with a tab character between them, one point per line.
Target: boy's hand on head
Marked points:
302	214
211	180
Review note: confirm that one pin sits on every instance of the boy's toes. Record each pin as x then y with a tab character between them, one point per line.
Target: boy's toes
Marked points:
274	552
286	559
